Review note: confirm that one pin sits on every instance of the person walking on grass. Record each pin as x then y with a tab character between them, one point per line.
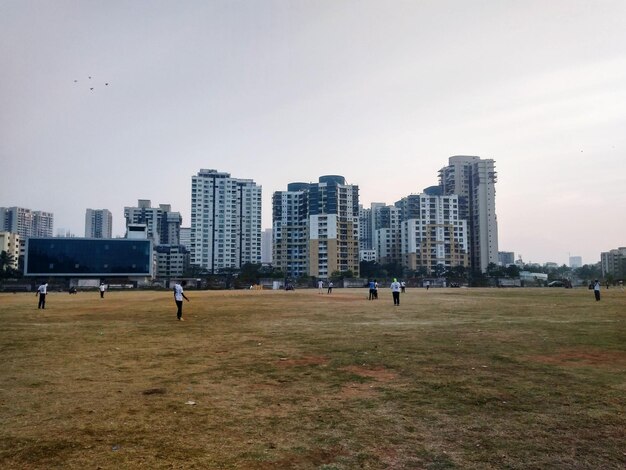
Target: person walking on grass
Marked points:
42	290
395	291
596	289
179	295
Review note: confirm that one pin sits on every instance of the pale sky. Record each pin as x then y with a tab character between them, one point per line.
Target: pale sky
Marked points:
381	92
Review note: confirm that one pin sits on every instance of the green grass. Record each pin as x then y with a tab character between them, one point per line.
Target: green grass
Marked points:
451	379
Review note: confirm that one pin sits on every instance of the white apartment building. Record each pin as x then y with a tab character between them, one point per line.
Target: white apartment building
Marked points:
436	235
225	221
473	180
98	223
162	224
290	233
26	222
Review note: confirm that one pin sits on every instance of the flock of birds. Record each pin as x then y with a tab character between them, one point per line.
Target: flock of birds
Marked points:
92	87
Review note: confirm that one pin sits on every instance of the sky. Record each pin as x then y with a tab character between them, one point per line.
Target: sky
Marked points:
380	92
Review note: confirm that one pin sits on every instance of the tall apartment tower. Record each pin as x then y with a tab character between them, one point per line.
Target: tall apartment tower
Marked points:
316	228
473	179
385	226
25	222
290	230
225	221
98	223
433	234
162	224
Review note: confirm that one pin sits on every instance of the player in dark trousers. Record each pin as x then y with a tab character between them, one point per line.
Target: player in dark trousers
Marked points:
395	291
179	295
42	290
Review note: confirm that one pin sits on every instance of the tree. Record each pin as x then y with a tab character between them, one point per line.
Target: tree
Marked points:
6	265
511	271
6	260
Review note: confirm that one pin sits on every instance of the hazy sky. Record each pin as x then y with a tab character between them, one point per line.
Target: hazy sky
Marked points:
381	92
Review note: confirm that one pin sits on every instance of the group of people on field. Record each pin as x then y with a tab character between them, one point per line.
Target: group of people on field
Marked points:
179	293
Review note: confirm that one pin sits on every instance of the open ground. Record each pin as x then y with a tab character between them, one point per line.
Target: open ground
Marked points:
452	378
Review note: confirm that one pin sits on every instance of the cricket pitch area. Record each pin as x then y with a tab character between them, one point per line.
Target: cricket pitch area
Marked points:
450	379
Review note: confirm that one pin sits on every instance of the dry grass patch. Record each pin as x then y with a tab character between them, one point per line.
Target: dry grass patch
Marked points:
453	378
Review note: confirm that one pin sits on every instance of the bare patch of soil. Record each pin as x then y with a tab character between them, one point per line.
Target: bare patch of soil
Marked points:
380	374
611	359
303	361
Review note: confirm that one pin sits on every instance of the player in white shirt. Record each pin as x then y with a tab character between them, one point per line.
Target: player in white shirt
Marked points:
395	291
42	290
179	295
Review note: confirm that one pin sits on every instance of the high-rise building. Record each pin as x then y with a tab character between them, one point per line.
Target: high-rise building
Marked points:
316	228
386	233
162	224
473	180
266	246
433	234
225	221
185	237
171	260
506	258
575	261
290	230
26	222
98	223
613	263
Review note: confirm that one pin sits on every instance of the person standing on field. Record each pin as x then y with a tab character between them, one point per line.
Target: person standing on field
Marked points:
179	295
395	291
330	287
372	287
42	290
596	289
320	287
102	289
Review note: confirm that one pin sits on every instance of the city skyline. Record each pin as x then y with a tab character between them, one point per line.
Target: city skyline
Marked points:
382	93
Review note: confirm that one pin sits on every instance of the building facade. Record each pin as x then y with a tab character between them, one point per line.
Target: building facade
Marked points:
316	228
225	221
171	260
386	233
88	258
266	246
162	224
506	258
575	262
98	223
185	237
435	235
26	222
473	180
613	263
10	243
290	230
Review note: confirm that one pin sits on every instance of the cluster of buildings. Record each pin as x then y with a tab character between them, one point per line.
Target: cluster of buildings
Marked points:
317	228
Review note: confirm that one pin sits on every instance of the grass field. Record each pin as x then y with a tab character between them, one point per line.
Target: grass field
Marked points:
452	378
